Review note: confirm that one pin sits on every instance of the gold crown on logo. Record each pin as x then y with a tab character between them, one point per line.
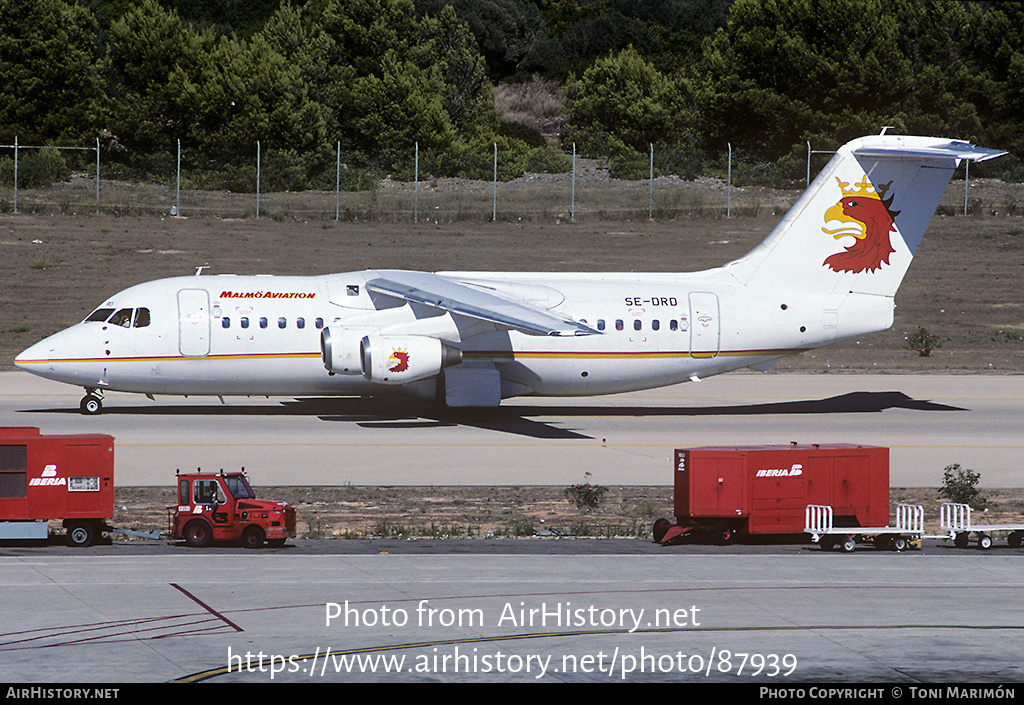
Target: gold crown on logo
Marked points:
863	188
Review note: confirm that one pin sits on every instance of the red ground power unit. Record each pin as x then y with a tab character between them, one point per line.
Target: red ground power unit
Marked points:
740	490
46	477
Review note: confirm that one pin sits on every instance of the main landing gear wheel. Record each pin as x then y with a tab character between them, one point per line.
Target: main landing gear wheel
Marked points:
91	404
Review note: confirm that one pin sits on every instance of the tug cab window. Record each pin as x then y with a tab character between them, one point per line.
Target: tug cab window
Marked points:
207	492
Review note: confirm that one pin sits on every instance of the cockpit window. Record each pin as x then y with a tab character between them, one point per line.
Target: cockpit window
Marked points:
122	318
141	317
100	314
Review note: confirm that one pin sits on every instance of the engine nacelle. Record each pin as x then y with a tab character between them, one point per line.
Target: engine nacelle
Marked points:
397	359
341	351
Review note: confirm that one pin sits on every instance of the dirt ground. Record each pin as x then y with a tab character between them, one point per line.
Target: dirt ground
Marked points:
964	286
499	512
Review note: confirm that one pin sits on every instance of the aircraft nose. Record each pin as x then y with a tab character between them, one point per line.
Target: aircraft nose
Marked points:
43	351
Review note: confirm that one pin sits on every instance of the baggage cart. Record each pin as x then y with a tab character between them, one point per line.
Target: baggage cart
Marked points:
955	519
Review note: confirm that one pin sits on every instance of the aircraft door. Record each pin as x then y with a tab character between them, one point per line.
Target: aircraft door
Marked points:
704	324
194	322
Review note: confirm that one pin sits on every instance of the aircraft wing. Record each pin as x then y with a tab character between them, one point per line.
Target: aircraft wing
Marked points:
464	300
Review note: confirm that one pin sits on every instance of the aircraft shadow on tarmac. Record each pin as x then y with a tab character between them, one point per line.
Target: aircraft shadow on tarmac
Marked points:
395	413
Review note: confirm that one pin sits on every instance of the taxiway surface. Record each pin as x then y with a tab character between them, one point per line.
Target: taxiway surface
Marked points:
776	616
929	421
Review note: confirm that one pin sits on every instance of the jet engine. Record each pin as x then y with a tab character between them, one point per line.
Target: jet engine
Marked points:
396	359
340	350
388	359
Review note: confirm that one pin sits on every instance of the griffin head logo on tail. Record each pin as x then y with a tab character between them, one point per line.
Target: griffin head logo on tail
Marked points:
869	220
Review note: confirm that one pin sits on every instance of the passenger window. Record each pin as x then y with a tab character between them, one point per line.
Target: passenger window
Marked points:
122	318
673	324
618	324
319	323
300	322
282	322
655	324
263	322
637	324
244	321
225	322
600	324
100	314
141	317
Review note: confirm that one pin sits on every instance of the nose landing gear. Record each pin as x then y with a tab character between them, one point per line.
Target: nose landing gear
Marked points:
92	403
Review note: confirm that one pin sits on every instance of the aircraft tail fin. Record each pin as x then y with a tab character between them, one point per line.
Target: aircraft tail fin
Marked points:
857	226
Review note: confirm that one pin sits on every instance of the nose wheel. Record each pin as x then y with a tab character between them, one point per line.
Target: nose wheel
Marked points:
91	404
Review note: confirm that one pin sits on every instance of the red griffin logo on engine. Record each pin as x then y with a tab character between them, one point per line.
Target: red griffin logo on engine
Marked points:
868	219
399	360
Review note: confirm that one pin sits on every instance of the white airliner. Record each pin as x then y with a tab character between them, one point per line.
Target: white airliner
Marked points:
827	272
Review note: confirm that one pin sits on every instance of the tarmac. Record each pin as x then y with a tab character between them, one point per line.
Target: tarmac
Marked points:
529	610
928	420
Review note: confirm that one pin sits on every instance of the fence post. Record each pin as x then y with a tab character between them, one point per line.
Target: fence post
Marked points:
728	187
258	156
572	208
494	196
15	173
177	187
650	191
808	182
967	179
416	186
97	176
337	186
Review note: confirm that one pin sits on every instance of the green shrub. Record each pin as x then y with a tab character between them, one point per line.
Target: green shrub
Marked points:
923	342
960	485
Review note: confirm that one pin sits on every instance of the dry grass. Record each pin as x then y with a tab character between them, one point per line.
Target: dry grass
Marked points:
538	103
471	512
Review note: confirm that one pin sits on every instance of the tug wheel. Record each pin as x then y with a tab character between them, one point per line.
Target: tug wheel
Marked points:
198	534
253	537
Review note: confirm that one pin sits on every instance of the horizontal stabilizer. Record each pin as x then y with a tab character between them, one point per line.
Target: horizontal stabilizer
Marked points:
953	149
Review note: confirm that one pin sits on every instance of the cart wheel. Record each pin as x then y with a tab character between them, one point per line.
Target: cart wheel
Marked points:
198	533
898	543
985	541
1014	539
725	534
849	544
80	534
961	539
661	527
253	537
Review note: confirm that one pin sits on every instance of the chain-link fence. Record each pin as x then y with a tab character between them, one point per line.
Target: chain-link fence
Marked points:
330	184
